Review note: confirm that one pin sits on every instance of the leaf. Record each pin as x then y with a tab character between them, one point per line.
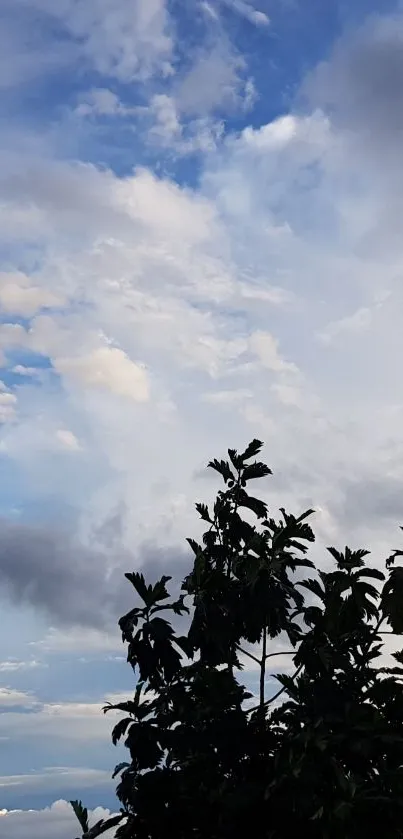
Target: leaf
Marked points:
138	582
102	826
350	559
392	599
203	512
222	467
398	655
371	572
119	768
305	515
120	729
312	615
235	459
255	470
251	450
159	591
81	814
197	549
255	504
391	559
314	587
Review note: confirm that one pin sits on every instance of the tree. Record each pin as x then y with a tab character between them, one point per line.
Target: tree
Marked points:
322	756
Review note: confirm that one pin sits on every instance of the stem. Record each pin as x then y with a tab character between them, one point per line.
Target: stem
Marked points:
276	695
263	668
269	655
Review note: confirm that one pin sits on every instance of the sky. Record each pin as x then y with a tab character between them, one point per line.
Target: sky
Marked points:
200	243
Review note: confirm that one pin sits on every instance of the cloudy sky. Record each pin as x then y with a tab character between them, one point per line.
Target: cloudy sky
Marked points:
201	242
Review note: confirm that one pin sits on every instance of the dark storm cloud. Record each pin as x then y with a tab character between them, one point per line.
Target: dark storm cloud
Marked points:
73	584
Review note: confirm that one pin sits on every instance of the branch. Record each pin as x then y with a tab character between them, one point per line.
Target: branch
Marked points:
269	655
276	695
245	652
263	668
286	652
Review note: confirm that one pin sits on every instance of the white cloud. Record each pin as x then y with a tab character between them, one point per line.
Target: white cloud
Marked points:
13	665
125	39
10	698
108	368
248	12
220	292
8	403
19	297
216	81
102	102
55	822
266	348
68	440
75	641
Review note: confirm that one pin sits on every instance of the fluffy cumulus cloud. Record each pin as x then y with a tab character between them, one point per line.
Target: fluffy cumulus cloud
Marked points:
191	256
54	822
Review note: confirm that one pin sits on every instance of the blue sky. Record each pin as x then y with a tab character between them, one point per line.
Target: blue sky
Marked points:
200	243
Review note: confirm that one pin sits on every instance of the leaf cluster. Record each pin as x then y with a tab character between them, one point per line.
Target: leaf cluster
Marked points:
322	755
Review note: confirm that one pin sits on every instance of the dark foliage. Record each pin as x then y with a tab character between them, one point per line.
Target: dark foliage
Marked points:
323	756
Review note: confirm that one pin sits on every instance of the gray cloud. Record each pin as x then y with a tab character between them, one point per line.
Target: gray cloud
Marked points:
73	584
361	84
371	502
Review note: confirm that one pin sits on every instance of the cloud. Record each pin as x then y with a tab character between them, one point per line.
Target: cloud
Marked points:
108	368
10	698
359	84
55	822
12	665
216	81
266	348
126	39
247	11
8	402
45	568
181	302
19	297
76	585
68	440
103	102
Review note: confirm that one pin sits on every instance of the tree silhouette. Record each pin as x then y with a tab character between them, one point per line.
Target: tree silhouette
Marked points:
321	756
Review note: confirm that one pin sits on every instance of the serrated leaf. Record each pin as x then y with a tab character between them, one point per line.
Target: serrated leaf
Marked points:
255	470
138	582
314	587
235	459
252	449
255	504
197	549
222	467
370	572
203	512
120	729
81	814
